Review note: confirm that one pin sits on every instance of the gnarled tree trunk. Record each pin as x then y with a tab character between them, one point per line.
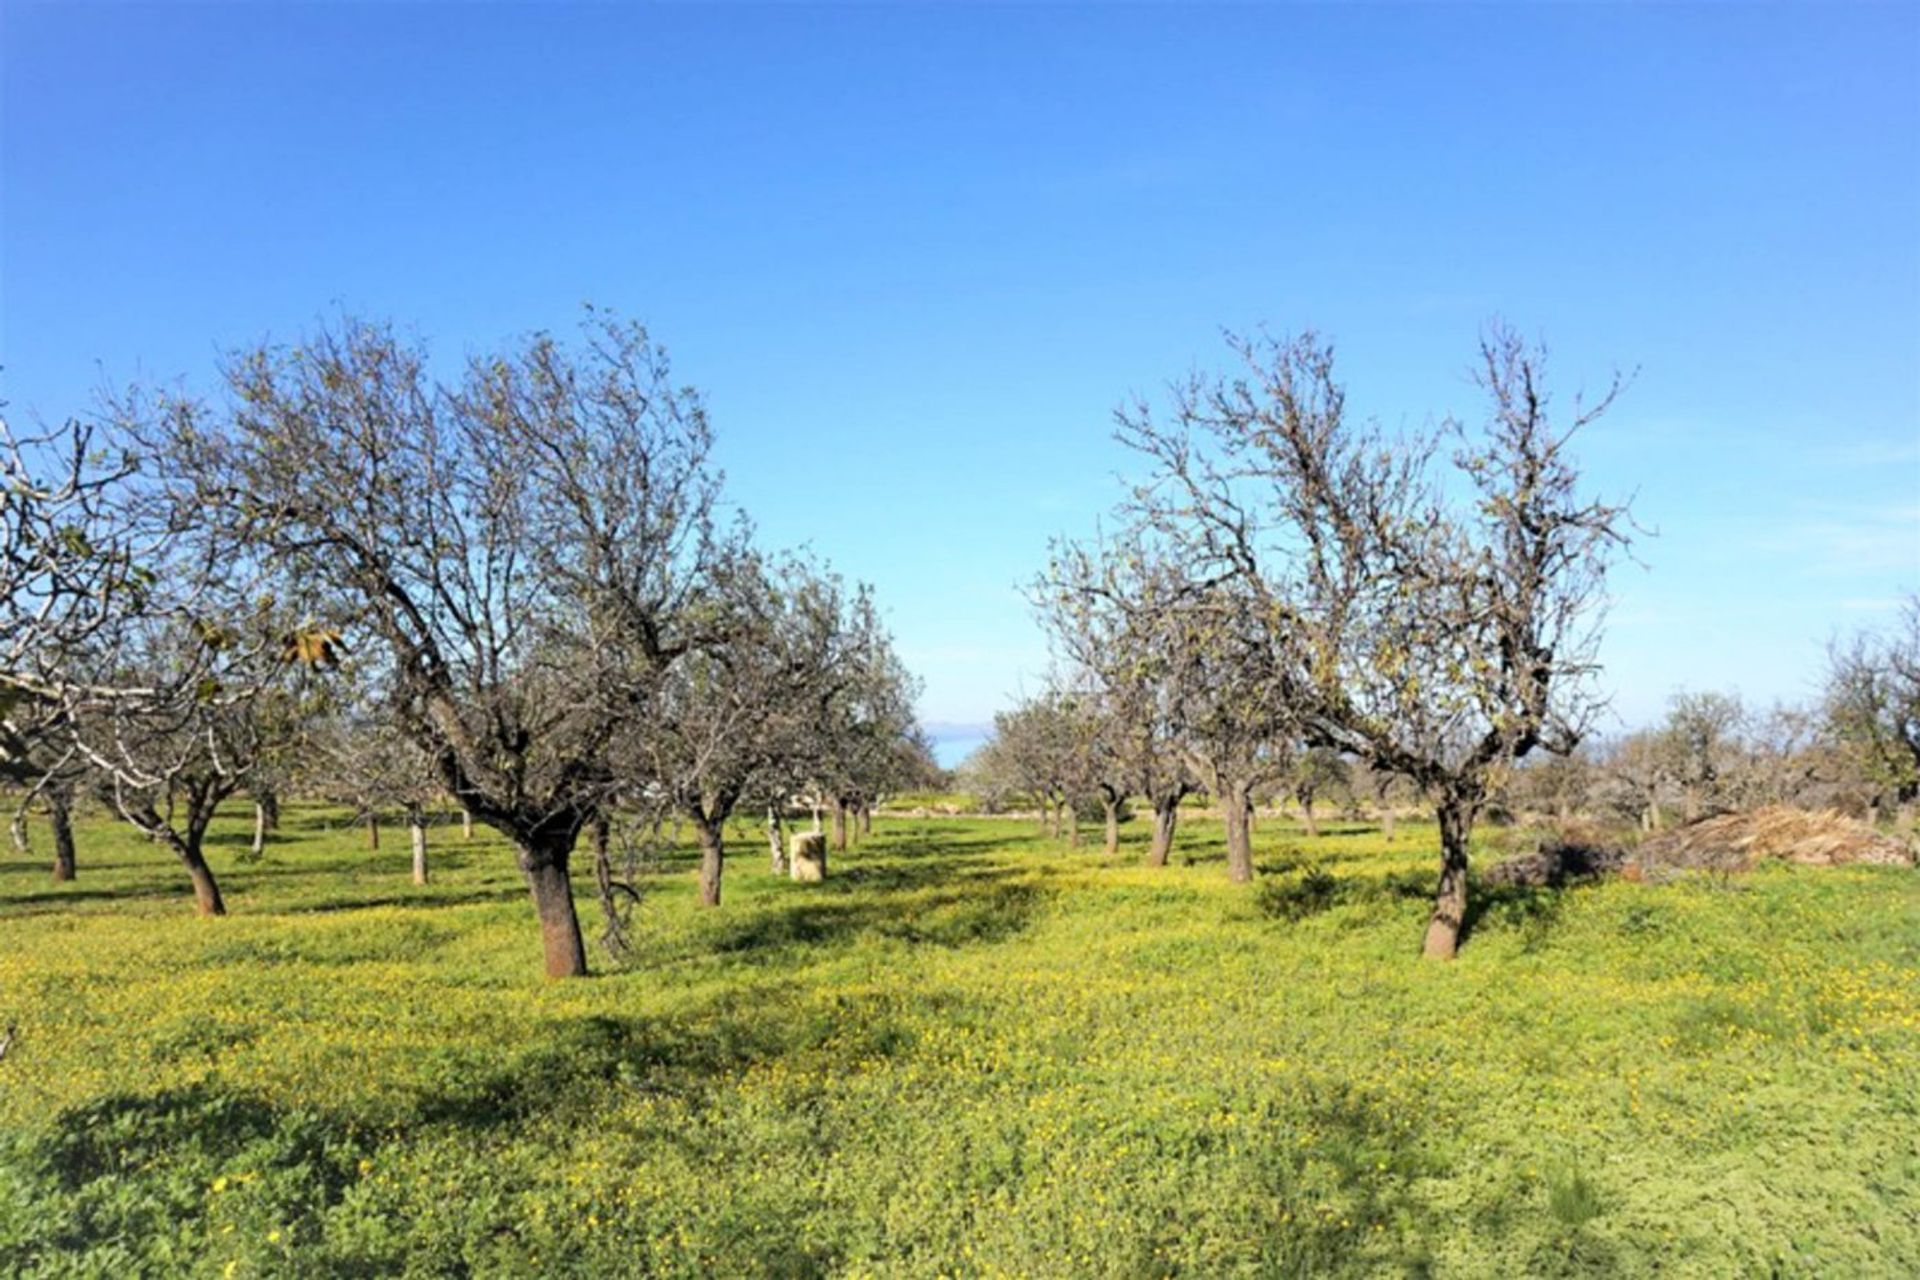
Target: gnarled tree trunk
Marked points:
1235	804
1166	817
777	840
206	891
1450	897
417	831
546	870
60	813
713	856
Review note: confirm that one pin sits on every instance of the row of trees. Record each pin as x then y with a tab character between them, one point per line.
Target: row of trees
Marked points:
517	589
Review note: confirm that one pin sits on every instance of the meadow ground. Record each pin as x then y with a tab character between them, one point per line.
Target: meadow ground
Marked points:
968	1053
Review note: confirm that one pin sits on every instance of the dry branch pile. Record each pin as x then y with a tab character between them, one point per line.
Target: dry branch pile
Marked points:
1575	852
1736	841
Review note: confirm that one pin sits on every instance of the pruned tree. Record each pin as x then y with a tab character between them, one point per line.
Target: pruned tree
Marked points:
741	720
1700	745
1437	638
524	552
1314	771
1873	708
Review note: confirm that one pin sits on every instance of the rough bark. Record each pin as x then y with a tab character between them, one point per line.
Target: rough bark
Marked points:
1166	817
206	891
776	841
547	880
839	826
1450	897
1235	804
373	832
1111	807
712	859
417	830
1306	819
60	814
866	819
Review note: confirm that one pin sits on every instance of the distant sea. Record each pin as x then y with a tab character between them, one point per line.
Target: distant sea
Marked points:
953	743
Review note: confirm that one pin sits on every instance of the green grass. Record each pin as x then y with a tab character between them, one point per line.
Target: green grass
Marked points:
968	1053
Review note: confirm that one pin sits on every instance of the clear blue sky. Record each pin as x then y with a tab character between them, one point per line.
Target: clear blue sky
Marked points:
916	255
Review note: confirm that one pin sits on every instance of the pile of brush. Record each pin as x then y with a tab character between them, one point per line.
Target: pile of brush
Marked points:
1575	851
1736	841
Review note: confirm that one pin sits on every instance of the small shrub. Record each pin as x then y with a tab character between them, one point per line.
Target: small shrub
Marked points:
1297	897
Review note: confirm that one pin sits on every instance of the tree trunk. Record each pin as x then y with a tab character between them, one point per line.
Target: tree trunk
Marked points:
1306	818
1239	837
866	819
560	940
1166	816
417	829
776	840
18	830
1450	898
466	825
268	803
373	832
712	859
839	826
206	892
61	814
1070	820
816	819
1386	823
260	825
1112	808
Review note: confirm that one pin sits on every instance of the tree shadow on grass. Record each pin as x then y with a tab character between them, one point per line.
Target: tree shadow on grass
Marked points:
987	907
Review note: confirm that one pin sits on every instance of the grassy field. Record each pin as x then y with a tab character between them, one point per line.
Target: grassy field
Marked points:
969	1053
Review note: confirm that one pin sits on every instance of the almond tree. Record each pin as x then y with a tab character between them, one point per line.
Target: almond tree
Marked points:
523	552
1873	708
1436	630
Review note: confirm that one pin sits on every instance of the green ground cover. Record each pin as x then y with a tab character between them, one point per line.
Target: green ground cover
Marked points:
968	1053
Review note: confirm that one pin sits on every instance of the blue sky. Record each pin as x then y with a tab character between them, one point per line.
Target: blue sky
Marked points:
915	255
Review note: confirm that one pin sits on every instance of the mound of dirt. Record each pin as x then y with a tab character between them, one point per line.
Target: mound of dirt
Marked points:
1736	841
1573	854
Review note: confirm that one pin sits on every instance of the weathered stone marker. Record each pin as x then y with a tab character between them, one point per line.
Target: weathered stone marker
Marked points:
808	856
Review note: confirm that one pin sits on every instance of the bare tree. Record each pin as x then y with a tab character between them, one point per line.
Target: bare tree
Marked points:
1434	638
743	718
1873	708
1314	772
527	549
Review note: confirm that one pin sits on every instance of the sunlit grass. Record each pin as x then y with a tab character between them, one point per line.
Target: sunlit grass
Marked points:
968	1053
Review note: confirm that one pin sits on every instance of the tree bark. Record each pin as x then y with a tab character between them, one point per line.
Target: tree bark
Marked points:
1306	818
1450	898
1070	820
776	840
1166	816
260	825
60	812
1239	836
373	832
206	891
546	872
712	859
839	826
269	804
417	829
1112	808
866	819
18	831
466	825
1386	823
